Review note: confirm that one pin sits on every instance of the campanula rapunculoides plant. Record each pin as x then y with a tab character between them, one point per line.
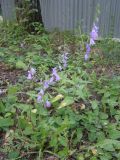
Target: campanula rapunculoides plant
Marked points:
93	38
94	34
46	84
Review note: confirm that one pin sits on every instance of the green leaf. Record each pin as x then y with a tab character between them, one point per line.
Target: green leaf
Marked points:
12	90
2	107
66	102
80	157
94	104
1	54
21	65
109	147
6	122
105	157
24	107
57	98
114	134
108	142
63	141
22	122
93	158
13	155
54	141
28	130
103	116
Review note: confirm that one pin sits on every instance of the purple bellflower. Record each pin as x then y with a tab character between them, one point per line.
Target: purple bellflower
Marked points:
64	59
92	42
39	98
93	37
46	85
31	73
94	34
88	49
29	77
40	95
47	104
51	80
55	75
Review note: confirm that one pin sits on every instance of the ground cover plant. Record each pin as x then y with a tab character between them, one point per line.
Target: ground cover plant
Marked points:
59	98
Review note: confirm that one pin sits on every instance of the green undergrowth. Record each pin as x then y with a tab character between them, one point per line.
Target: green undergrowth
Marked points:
83	122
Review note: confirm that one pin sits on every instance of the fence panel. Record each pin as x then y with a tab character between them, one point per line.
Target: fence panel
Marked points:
69	14
8	10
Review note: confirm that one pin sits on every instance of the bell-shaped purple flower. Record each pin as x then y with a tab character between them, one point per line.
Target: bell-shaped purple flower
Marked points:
40	95
39	98
31	73
57	78
47	104
88	49
86	57
51	80
29	77
64	59
41	92
92	42
94	34
46	84
55	75
96	28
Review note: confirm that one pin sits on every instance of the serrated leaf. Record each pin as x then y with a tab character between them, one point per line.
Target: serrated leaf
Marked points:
108	142
114	134
24	107
6	122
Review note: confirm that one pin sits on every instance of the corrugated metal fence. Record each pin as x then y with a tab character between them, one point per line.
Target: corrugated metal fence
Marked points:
8	9
69	14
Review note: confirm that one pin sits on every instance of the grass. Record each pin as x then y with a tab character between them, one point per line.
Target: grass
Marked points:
83	122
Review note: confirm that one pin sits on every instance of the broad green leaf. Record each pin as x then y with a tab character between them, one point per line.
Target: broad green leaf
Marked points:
24	107
13	155
21	65
22	122
57	98
6	122
80	157
108	142
28	130
114	134
12	90
1	54
66	102
94	104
